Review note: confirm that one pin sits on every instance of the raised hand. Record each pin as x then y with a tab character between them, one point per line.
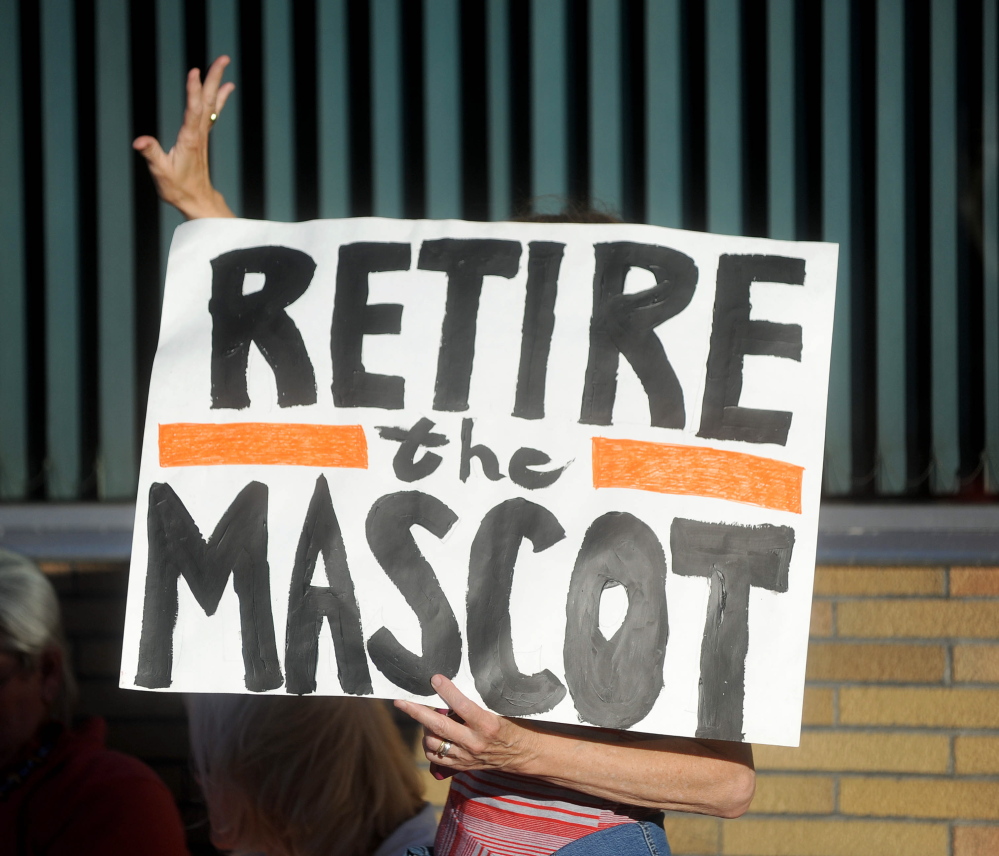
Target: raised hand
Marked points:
181	175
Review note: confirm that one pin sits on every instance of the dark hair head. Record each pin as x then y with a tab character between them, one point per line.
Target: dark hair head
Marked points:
573	211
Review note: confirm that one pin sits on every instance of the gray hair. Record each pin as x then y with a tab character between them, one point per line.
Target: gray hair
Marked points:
30	622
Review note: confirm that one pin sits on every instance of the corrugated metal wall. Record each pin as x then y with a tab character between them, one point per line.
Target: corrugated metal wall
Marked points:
873	124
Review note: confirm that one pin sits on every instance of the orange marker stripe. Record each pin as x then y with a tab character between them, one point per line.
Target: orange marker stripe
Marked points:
695	471
188	444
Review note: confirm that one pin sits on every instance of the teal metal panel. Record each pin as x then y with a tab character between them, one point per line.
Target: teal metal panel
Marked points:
781	50
944	216
442	100
724	116
171	98
279	112
227	150
836	219
333	112
498	87
62	242
386	93
990	172
890	247
549	107
13	356
664	115
115	251
606	123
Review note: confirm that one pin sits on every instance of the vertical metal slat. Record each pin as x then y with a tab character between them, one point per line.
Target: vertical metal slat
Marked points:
943	262
13	329
724	116
891	255
606	171
549	107
498	70
442	97
334	115
781	48
386	78
836	218
990	171
279	112
227	149
115	228
664	114
62	267
171	98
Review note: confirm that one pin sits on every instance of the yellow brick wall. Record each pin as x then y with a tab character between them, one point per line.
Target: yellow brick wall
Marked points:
900	744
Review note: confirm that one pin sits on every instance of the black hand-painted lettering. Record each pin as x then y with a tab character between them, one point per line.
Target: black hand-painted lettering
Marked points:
466	262
543	262
237	547
615	682
734	336
503	687
521	473
308	605
411	440
354	318
734	558
486	456
239	319
625	324
388	528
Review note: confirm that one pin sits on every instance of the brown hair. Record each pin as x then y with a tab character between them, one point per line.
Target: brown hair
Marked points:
320	776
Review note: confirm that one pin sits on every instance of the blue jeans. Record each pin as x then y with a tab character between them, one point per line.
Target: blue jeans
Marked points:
628	839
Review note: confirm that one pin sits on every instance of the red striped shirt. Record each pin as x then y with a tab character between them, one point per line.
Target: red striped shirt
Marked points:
499	814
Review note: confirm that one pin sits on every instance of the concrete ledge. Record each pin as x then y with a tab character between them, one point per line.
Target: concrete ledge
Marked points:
849	534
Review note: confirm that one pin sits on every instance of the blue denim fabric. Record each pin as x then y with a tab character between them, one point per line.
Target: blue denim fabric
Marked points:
627	839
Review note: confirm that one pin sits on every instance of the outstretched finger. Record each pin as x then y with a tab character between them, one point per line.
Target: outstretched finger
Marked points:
437	724
473	715
149	148
225	90
213	82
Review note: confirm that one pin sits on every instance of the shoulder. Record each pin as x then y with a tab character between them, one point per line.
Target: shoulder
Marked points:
106	801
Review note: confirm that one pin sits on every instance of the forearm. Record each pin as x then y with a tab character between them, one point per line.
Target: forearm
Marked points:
669	773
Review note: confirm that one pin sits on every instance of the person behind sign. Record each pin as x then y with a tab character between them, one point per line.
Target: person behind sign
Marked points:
519	787
62	791
288	776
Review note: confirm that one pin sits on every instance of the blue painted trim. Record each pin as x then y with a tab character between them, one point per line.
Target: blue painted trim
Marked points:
664	117
724	116
890	248
171	99
386	111
227	150
13	345
333	108
279	112
606	119
990	172
549	107
442	100
62	248
118	454
837	202
781	80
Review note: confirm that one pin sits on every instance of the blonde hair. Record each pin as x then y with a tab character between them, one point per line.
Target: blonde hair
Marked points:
318	776
31	624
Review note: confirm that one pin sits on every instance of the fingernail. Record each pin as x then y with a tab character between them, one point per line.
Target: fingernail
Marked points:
436	681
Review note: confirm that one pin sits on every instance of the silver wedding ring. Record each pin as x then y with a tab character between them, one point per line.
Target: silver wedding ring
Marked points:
443	749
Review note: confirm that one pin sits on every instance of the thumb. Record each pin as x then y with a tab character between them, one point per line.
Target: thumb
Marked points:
149	148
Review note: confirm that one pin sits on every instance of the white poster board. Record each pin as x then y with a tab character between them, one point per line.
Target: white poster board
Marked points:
574	467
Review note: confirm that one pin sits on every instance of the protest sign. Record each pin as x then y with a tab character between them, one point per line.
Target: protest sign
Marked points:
574	467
